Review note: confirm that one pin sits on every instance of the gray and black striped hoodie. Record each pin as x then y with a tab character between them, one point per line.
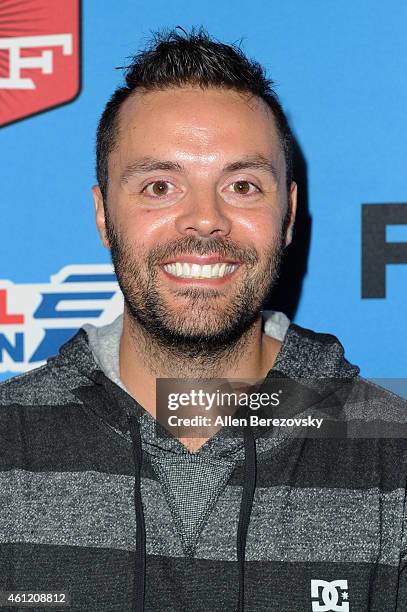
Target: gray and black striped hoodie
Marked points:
98	503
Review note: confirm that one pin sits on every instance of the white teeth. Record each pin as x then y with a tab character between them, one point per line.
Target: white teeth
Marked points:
215	270
186	270
196	270
206	271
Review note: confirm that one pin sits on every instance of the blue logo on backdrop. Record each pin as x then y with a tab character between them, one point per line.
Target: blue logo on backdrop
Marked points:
36	319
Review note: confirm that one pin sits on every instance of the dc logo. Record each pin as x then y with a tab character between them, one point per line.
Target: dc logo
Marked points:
330	596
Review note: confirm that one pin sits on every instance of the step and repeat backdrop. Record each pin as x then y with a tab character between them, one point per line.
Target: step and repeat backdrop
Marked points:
340	70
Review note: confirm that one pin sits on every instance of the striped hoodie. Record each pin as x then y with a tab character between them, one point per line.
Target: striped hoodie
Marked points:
98	503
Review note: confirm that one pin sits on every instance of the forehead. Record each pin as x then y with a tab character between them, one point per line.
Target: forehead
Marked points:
194	121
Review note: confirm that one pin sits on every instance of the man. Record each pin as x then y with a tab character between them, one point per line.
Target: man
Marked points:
196	202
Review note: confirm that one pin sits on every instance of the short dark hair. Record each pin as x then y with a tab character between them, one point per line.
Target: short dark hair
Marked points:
174	60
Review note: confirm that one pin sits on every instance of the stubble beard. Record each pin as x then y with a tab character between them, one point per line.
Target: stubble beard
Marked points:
205	331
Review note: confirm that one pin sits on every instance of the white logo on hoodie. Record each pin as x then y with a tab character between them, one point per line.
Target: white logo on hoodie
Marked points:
333	596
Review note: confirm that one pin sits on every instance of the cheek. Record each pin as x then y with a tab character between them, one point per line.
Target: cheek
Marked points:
140	226
259	228
143	233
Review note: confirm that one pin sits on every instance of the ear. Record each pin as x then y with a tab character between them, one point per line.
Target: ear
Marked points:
292	205
100	215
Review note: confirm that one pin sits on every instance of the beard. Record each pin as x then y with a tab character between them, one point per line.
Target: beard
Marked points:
207	324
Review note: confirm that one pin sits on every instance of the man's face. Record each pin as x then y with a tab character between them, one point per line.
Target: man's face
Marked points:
197	177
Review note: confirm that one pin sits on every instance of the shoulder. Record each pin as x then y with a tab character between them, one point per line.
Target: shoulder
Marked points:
372	401
54	382
49	384
46	385
320	358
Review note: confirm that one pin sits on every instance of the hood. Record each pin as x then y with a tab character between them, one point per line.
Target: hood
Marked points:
315	360
306	357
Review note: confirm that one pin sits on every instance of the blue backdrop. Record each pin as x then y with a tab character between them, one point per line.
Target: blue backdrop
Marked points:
340	71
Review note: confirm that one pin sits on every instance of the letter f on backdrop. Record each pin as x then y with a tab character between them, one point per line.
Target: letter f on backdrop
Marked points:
377	252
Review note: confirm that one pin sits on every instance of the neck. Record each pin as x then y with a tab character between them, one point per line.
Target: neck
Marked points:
143	359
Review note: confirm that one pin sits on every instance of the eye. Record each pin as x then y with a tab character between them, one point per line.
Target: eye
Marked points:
243	187
158	189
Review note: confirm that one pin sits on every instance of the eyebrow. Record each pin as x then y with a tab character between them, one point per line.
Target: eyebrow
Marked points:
152	164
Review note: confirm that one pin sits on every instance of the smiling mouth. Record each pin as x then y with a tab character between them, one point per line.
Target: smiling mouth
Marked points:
194	271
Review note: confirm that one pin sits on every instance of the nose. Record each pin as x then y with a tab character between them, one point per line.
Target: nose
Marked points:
204	215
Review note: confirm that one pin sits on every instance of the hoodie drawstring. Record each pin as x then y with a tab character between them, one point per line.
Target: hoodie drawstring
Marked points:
140	564
249	485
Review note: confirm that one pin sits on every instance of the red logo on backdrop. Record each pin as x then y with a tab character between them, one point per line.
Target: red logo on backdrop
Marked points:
39	56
